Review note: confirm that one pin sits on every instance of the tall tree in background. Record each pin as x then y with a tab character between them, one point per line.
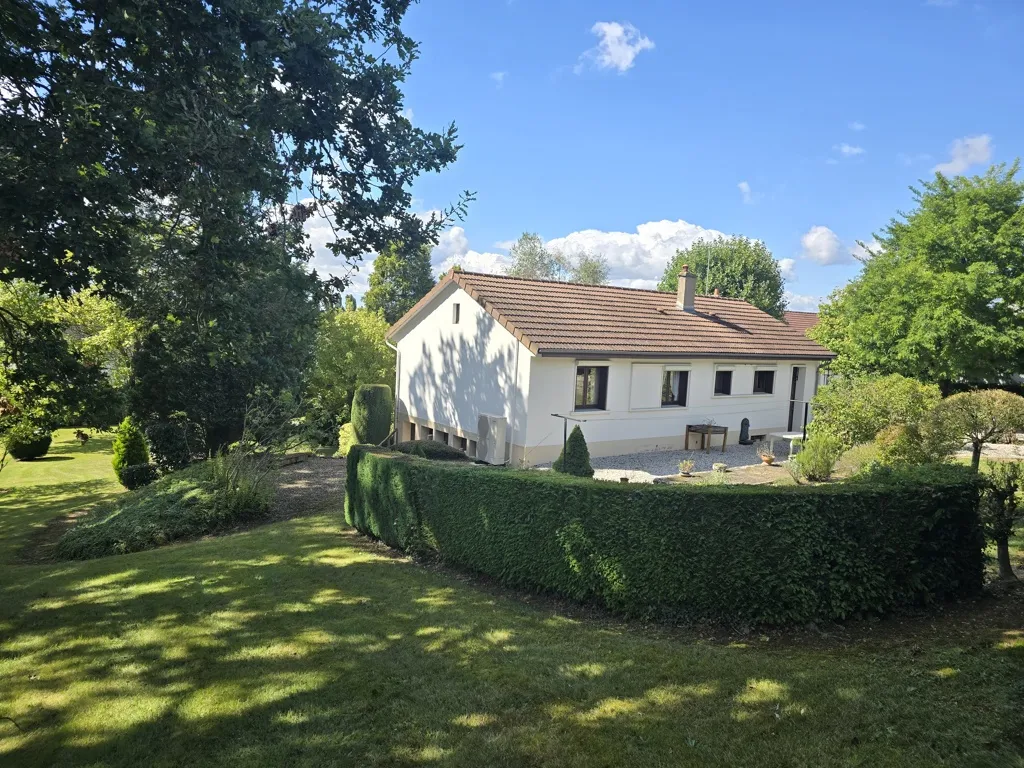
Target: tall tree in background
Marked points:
738	267
590	268
532	259
940	298
400	278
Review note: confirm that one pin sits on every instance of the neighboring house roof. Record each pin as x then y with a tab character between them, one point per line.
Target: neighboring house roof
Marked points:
561	319
802	321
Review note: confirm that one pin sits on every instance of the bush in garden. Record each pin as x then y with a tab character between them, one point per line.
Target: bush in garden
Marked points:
857	459
137	475
978	417
129	446
429	449
575	456
1000	512
855	409
818	457
25	442
346	439
176	442
371	413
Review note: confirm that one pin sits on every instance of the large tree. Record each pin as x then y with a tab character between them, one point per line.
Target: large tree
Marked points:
533	259
939	299
400	278
738	267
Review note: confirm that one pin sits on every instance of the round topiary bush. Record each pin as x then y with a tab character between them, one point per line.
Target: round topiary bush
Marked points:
25	443
129	446
575	457
137	475
371	413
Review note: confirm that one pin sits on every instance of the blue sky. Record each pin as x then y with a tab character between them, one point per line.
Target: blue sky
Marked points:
629	128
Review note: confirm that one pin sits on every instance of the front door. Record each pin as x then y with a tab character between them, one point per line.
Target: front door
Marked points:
792	397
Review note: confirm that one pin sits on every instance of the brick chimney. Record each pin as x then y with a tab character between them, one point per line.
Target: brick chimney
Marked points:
716	294
687	289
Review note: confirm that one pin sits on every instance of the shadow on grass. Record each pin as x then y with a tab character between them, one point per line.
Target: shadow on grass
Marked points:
48	459
298	644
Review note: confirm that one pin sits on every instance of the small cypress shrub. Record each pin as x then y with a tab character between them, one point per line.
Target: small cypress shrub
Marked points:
129	447
371	413
575	458
137	475
25	442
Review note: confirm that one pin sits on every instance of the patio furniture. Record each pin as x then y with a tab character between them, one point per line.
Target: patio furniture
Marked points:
705	431
790	436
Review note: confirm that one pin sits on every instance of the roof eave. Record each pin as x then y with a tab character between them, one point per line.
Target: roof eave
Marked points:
592	353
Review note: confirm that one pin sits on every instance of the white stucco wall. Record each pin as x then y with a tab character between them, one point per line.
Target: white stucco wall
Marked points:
449	373
636	421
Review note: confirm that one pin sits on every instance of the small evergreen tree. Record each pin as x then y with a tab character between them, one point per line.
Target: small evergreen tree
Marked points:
401	276
129	446
575	458
371	413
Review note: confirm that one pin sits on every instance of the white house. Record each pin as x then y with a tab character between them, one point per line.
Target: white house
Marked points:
635	368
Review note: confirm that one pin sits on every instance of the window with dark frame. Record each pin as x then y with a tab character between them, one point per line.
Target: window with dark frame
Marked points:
591	387
673	388
723	382
455	313
764	382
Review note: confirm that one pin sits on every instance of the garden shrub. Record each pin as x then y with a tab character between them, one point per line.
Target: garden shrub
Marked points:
856	459
176	442
429	449
818	456
575	456
135	476
346	439
25	442
371	413
856	408
129	446
759	554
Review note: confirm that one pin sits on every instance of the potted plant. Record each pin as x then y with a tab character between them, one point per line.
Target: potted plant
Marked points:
719	466
686	467
766	454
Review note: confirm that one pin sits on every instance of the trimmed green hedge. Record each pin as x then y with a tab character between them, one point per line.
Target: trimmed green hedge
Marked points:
429	449
761	554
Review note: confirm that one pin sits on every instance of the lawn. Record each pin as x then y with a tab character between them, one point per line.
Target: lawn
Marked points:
298	644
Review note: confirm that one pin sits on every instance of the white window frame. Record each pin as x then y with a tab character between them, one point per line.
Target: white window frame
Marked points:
732	384
676	367
775	380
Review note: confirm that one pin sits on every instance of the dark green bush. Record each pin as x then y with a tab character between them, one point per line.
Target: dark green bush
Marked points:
176	442
136	476
129	446
25	442
428	449
575	456
371	413
761	554
818	456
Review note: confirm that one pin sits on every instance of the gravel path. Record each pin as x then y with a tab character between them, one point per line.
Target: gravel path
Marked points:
308	486
997	451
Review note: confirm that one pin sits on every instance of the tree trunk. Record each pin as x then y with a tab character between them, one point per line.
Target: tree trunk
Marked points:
1003	557
976	455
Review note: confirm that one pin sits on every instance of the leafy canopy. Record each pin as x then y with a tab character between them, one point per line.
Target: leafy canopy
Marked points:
738	267
977	417
534	260
855	409
939	298
400	278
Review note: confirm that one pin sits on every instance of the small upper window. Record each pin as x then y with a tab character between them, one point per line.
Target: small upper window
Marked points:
723	382
673	387
455	313
591	387
764	382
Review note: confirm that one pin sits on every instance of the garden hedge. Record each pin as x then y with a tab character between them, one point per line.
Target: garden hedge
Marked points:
757	554
371	413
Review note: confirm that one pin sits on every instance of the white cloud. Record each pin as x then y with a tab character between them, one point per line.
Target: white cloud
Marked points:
863	252
498	78
625	282
822	246
856	125
748	197
504	245
965	152
801	302
788	268
848	150
453	249
618	47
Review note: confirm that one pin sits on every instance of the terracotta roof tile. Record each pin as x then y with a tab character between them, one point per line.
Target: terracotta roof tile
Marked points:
802	321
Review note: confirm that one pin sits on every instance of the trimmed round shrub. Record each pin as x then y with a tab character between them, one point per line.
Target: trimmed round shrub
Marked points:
371	413
137	475
176	442
129	446
346	439
818	456
575	457
25	442
428	449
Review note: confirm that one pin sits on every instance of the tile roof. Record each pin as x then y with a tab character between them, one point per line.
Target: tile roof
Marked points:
802	321
556	318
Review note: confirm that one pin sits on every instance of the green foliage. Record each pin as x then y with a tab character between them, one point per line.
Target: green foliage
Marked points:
129	446
136	476
857	459
371	413
1000	509
176	442
589	268
350	352
908	444
197	501
978	417
430	449
346	439
24	442
939	299
818	456
856	408
575	456
738	267
401	277
534	260
763	554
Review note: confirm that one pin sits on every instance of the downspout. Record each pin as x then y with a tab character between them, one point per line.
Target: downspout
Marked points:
398	361
515	401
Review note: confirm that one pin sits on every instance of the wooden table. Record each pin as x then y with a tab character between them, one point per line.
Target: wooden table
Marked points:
706	431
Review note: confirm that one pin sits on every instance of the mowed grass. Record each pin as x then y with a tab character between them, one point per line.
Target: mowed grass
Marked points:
298	644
